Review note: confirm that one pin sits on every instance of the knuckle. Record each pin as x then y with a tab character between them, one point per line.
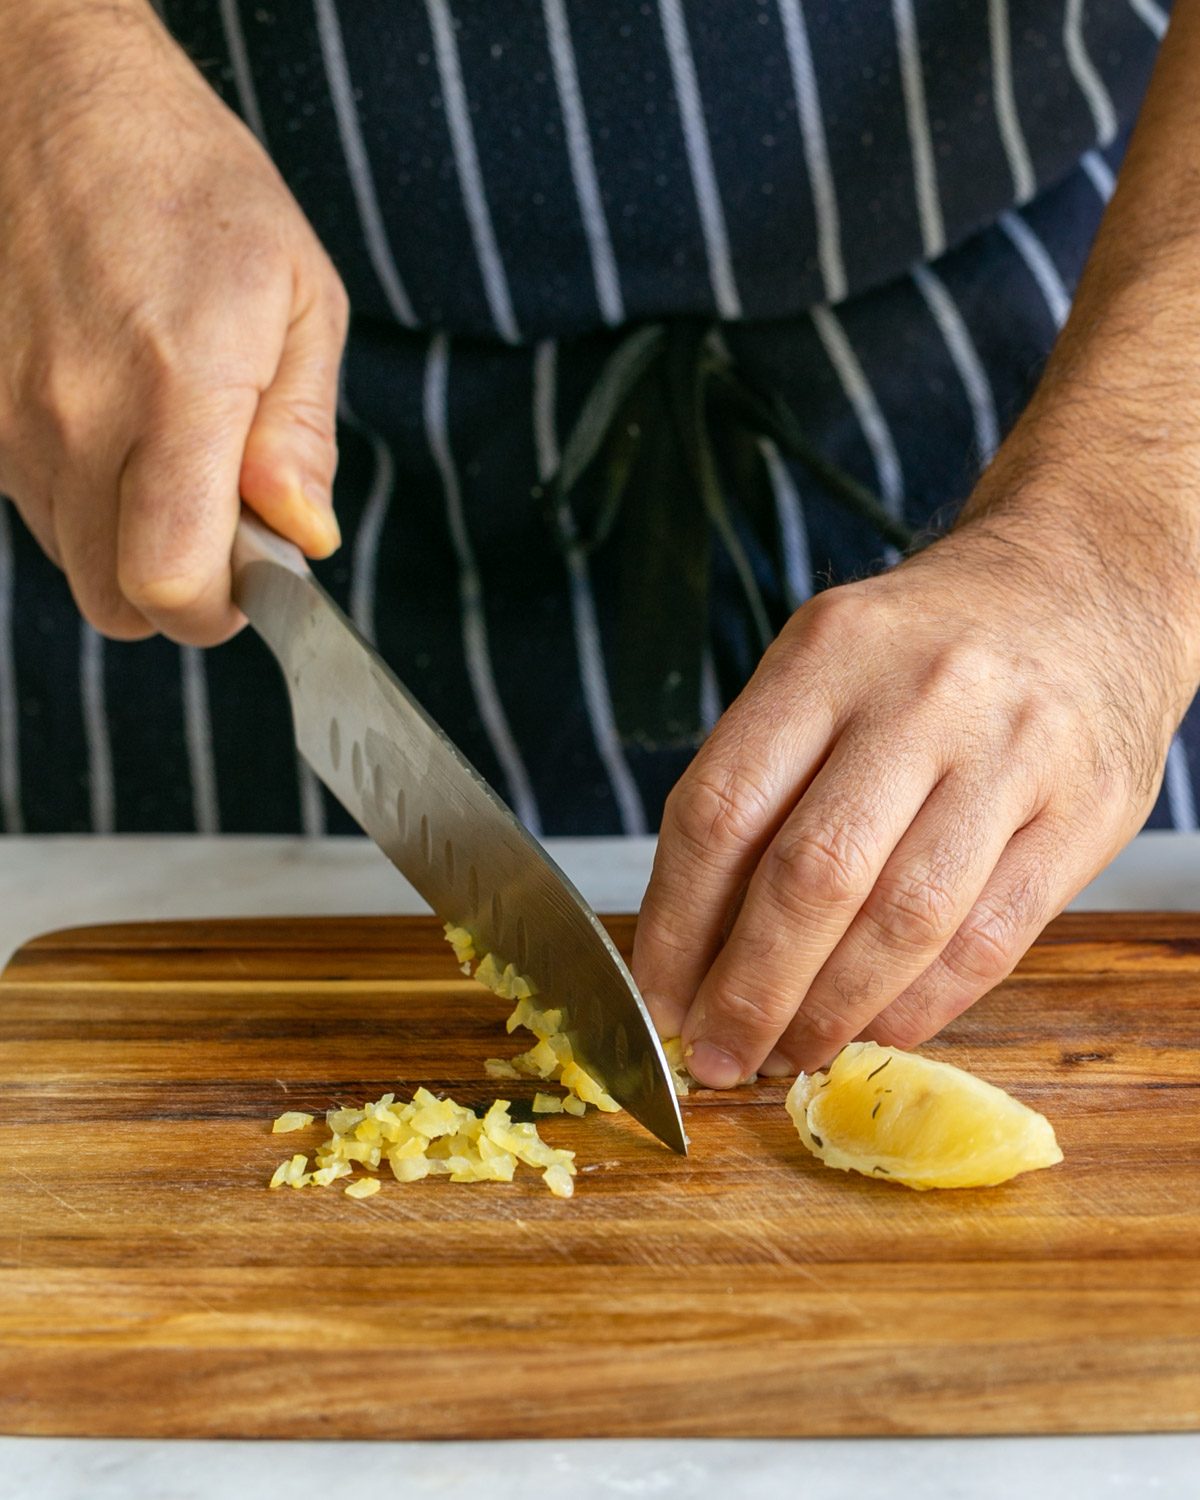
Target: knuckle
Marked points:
823	1025
989	943
819	867
836	617
1047	724
913	910
258	257
62	402
314	418
907	1024
965	669
737	1014
715	808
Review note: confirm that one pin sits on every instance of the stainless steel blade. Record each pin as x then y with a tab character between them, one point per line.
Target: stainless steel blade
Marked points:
445	829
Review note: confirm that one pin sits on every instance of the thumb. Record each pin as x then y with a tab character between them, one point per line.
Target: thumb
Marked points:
291	449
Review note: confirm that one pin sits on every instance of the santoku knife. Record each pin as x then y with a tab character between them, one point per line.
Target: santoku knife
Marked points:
445	829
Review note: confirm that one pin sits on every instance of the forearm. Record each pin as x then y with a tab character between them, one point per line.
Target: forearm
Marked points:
1109	448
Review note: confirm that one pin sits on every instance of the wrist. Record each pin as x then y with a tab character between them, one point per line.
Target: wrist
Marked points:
1107	514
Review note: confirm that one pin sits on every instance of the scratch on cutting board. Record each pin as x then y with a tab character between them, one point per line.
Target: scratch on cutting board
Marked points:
748	1231
50	1193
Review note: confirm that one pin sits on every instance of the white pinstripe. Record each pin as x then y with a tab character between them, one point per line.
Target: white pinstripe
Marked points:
365	561
470	178
1091	85
474	625
1100	173
1041	267
889	475
239	57
583	163
1181	799
929	207
10	706
95	729
700	162
793	533
966	360
816	149
710	691
592	673
362	183
1005	103
1152	14
197	735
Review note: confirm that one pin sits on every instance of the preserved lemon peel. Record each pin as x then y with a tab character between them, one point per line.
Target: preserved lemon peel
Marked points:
427	1137
552	1058
463	944
673	1051
902	1118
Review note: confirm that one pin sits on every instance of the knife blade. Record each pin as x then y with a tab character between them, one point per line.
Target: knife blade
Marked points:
444	828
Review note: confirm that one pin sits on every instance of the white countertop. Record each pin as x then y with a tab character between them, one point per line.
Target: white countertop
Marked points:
57	882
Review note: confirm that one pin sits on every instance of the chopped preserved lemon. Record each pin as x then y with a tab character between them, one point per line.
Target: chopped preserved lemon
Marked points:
362	1187
673	1051
292	1173
424	1138
552	1057
558	1180
462	943
498	1067
584	1086
293	1119
908	1119
547	1104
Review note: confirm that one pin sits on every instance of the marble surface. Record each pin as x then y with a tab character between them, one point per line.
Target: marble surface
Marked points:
57	882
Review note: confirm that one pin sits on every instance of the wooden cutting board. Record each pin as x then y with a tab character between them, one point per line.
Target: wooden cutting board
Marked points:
150	1285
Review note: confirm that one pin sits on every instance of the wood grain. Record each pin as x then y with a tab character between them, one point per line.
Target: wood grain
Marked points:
149	1285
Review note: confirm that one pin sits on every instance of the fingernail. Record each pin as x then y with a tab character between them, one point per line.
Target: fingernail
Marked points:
777	1066
714	1068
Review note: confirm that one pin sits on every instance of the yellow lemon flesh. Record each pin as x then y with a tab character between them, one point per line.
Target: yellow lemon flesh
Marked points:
902	1118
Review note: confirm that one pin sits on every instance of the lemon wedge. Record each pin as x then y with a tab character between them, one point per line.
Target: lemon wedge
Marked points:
902	1118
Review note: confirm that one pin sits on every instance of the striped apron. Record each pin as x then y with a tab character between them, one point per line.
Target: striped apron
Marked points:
883	206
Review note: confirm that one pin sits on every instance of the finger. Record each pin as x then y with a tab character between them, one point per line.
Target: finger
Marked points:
38	517
85	527
291	450
179	509
922	896
810	884
1044	866
716	823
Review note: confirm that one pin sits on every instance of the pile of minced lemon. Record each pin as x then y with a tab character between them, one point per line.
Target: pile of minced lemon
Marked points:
429	1136
426	1137
876	1110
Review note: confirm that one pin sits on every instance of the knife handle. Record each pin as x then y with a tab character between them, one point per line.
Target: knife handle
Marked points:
255	542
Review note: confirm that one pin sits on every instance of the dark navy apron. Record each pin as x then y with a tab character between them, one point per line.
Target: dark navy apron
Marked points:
665	316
